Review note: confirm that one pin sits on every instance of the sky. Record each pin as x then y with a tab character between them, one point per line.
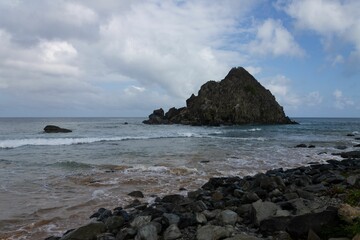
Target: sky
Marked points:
124	58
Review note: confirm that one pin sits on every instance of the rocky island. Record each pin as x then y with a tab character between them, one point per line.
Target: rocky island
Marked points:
237	99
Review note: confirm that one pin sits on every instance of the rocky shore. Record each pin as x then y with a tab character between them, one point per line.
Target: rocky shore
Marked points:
317	201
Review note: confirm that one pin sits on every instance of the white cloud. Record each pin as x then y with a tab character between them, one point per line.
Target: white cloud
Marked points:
313	98
274	39
342	102
332	19
253	70
78	14
280	87
171	45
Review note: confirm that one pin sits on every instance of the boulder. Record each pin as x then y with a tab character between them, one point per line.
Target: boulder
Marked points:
299	226
348	213
351	154
263	210
227	217
172	232
147	232
56	129
212	232
136	194
237	99
87	232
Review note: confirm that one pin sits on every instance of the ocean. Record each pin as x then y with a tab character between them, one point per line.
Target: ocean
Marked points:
53	182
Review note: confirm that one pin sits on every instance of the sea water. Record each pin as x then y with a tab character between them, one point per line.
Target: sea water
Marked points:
53	182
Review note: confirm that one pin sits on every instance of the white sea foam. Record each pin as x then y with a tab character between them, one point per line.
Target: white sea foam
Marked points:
14	143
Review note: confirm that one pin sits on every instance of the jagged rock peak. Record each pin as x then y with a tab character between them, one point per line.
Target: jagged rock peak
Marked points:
237	99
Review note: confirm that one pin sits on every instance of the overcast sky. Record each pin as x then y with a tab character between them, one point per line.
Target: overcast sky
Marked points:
128	57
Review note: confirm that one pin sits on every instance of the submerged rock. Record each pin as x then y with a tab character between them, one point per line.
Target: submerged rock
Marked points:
237	99
56	129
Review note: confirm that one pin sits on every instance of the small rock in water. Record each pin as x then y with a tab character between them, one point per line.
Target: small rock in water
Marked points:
302	145
56	129
341	147
136	194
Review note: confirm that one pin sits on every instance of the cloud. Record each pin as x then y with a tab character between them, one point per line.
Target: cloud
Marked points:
178	51
313	98
280	87
125	54
342	102
333	20
274	39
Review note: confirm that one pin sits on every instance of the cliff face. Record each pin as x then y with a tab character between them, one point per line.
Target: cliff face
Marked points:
237	99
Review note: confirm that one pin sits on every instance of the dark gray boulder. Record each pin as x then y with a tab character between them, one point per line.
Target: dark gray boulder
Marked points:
87	232
56	129
237	99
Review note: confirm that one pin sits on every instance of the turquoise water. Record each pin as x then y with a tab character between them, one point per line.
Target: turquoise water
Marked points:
51	182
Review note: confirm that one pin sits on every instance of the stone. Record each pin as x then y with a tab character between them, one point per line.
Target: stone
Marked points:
211	214
140	221
200	218
212	232
356	237
351	154
126	233
87	232
312	235
172	218
341	147
237	99
186	220
227	217
348	213
174	198
274	224
302	145
243	236
56	129
305	194
249	197
290	196
136	194
354	180
262	210
316	188
172	232
105	236
299	226
147	232
114	223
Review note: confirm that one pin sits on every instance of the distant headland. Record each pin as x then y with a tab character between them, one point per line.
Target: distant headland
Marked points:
237	99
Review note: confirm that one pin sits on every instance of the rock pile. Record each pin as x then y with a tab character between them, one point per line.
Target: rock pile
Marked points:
238	99
319	201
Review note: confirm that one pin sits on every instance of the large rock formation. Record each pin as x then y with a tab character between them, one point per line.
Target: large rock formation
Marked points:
237	99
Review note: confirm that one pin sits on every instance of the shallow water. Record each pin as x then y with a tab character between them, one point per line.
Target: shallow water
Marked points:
53	182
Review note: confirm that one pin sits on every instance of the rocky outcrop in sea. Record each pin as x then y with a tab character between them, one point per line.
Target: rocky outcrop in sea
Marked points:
56	129
318	201
237	99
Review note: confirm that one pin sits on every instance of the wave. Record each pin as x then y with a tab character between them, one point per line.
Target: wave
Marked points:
15	143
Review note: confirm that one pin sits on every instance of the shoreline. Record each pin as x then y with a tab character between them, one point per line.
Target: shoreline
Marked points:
319	201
